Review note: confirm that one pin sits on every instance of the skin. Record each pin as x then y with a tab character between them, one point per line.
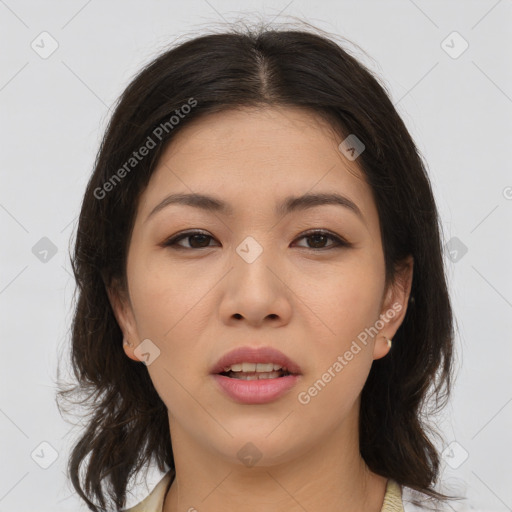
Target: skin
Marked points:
311	303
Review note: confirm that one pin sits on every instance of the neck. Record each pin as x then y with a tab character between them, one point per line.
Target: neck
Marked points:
330	476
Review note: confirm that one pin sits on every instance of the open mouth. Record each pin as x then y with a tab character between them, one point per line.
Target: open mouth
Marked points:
255	375
256	382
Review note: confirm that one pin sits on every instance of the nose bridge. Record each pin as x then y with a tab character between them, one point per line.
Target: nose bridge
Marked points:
250	249
254	288
253	256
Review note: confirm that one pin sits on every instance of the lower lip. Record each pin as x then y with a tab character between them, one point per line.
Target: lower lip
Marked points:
256	391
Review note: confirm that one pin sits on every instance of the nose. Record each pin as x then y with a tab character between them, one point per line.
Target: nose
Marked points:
255	290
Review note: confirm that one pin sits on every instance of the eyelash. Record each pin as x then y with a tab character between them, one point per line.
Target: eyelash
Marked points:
339	242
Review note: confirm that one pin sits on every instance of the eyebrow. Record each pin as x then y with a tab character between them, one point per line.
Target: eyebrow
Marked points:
288	205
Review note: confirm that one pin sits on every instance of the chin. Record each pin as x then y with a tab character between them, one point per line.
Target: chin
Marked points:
257	448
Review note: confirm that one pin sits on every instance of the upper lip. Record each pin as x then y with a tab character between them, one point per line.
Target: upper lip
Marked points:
255	355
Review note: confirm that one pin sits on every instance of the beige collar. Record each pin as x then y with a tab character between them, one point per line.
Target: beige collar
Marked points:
154	502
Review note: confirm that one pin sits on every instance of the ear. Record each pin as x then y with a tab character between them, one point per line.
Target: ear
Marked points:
394	306
123	311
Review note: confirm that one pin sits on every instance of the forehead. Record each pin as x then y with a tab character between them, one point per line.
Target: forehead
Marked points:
253	157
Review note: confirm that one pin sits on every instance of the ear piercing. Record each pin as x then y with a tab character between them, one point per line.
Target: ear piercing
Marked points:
125	342
388	341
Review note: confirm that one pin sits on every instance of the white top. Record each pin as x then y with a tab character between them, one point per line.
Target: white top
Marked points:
397	499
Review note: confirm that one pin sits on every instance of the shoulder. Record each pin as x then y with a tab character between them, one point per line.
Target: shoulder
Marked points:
154	502
415	501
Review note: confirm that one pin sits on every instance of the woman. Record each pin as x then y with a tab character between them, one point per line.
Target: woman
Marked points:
262	306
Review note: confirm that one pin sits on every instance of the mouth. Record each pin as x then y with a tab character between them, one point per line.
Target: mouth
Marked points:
255	376
250	363
252	371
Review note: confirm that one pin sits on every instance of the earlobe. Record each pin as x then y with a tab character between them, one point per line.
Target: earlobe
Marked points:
394	307
129	350
397	296
125	318
382	346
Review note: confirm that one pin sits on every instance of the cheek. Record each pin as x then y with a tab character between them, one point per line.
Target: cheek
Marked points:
172	309
169	311
165	297
348	304
347	299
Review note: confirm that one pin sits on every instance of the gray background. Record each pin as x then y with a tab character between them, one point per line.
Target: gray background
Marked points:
53	112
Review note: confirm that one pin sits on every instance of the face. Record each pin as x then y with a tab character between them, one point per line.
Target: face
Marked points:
254	275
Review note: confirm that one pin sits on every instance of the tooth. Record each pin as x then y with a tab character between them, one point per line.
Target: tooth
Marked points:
255	367
256	376
248	367
264	367
271	375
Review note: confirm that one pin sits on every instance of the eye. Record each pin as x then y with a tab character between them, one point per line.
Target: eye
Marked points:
319	237
201	240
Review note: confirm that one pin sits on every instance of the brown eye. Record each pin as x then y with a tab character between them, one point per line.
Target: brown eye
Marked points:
197	240
318	239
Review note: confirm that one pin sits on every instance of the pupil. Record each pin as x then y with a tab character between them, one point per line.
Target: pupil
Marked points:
194	237
316	237
318	240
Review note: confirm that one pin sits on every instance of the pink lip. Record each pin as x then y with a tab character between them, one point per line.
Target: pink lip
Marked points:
255	355
256	391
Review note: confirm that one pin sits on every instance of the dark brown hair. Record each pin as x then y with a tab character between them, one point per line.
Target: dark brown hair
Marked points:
127	425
